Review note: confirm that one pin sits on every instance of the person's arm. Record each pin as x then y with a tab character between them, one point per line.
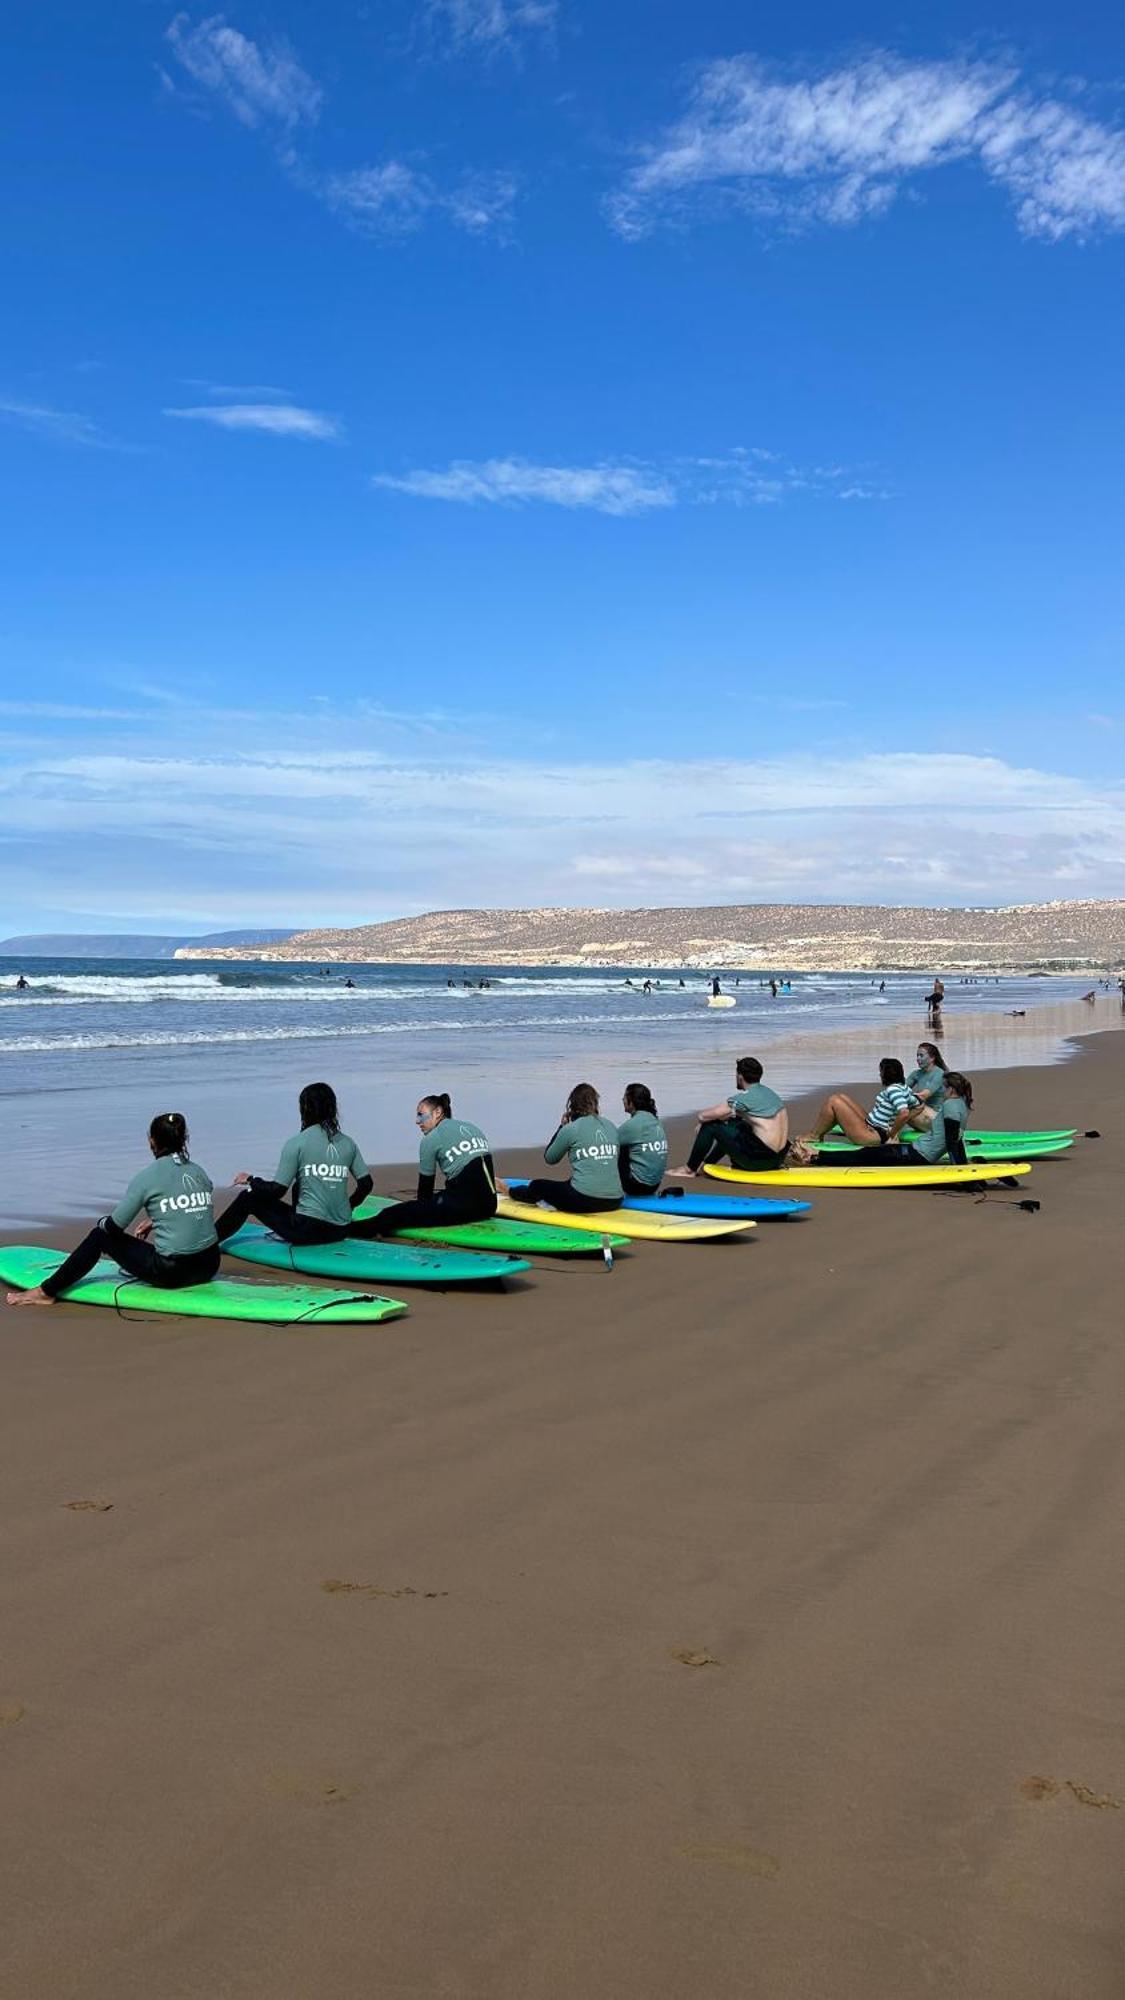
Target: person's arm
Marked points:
713	1112
557	1148
132	1201
362	1178
954	1140
425	1188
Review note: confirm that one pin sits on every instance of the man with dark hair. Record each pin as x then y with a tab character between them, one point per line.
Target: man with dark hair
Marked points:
750	1129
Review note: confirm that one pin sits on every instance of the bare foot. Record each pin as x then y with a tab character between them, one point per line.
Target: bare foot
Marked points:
681	1174
36	1297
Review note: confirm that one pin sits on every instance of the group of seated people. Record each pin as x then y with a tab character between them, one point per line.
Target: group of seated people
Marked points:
164	1229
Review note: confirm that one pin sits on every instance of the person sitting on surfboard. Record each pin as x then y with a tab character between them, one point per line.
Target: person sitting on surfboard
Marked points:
317	1161
945	1138
750	1129
642	1143
875	1129
461	1152
589	1142
928	1084
176	1196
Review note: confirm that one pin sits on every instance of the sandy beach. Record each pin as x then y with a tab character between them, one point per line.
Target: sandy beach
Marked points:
746	1621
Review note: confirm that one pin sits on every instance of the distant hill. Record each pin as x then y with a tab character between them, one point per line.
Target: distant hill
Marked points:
794	937
73	944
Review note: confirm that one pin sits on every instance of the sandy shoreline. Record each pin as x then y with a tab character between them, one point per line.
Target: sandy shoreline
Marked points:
869	1462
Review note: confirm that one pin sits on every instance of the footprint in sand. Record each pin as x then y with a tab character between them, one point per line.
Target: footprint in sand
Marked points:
335	1584
88	1506
744	1860
11	1711
687	1658
305	1791
1050	1788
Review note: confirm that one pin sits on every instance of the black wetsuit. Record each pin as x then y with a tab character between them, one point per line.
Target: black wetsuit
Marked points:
469	1197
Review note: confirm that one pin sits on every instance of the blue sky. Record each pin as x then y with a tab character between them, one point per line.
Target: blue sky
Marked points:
524	451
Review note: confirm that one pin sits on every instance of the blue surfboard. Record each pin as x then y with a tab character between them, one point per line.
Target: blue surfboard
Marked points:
711	1207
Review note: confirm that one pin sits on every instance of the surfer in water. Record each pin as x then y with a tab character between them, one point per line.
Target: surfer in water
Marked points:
317	1162
750	1128
460	1152
589	1142
642	1143
176	1197
22	984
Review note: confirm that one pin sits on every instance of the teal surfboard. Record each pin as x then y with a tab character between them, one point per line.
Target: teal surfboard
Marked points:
500	1233
25	1265
359	1262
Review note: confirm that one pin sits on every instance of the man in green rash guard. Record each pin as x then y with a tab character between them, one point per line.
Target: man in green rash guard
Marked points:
589	1142
460	1151
176	1196
642	1142
317	1161
751	1129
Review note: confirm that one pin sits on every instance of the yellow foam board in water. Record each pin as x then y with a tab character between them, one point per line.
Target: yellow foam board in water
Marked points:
873	1177
626	1222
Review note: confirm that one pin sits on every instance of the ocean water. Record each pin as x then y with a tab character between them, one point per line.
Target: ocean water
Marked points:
94	1047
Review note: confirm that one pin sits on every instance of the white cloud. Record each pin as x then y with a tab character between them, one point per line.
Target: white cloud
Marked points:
489	24
239	392
837	146
61	426
262	87
395	198
739	478
276	419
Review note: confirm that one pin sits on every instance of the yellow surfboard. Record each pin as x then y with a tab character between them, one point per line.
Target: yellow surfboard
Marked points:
626	1222
873	1177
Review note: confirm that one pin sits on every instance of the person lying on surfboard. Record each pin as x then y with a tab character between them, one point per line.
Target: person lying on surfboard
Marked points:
750	1129
642	1143
176	1196
589	1142
461	1152
317	1162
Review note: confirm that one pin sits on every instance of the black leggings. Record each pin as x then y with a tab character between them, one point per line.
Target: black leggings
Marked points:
732	1139
108	1239
564	1196
469	1197
632	1185
278	1215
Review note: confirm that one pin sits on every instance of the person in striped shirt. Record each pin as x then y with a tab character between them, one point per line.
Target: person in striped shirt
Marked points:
882	1124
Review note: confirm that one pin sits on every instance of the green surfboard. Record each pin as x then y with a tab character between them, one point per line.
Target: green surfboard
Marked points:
25	1265
359	1262
523	1239
978	1146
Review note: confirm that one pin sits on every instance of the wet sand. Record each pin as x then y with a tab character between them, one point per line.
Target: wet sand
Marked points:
747	1621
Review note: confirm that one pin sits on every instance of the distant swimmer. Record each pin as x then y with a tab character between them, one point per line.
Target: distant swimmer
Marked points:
773	989
750	1128
176	1197
589	1142
1089	998
22	984
935	997
642	1143
460	1152
882	986
349	982
317	1162
647	987
716	989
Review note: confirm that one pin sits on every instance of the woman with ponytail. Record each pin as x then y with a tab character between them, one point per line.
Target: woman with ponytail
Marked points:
642	1143
174	1246
460	1151
316	1163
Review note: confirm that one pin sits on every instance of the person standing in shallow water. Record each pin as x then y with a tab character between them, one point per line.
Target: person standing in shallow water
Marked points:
589	1142
176	1196
317	1162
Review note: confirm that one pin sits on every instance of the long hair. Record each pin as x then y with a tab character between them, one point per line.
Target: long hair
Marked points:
582	1102
891	1071
638	1097
959	1086
933	1050
168	1133
318	1107
439	1100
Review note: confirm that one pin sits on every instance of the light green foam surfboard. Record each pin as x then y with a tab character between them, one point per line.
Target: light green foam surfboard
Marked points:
978	1145
522	1238
874	1177
360	1261
25	1265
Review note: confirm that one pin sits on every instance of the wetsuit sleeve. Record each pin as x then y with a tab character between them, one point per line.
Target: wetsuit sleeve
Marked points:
954	1141
132	1201
623	1152
425	1187
557	1148
360	1191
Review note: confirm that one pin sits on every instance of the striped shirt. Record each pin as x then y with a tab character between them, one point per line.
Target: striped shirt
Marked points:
893	1098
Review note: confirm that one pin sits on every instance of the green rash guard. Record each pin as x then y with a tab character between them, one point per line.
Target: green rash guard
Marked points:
931	1144
757	1101
591	1144
450	1146
177	1196
320	1167
932	1081
648	1147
